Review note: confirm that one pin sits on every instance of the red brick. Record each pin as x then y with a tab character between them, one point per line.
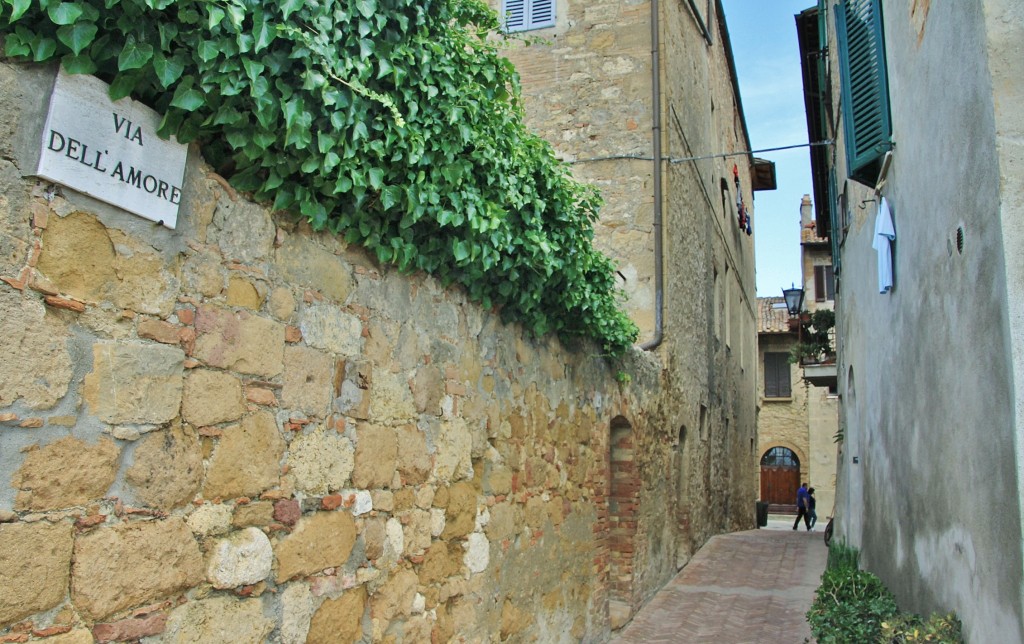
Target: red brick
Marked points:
158	330
287	511
261	396
31	423
331	502
130	629
186	316
53	630
292	334
65	303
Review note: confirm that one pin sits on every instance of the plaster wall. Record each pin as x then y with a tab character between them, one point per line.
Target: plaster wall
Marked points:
930	399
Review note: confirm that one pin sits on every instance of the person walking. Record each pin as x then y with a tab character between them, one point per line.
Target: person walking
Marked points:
811	512
801	507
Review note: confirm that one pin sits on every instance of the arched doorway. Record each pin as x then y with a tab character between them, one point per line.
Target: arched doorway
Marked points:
623	499
780	478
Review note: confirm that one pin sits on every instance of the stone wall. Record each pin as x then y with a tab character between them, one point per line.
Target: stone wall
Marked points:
245	431
588	89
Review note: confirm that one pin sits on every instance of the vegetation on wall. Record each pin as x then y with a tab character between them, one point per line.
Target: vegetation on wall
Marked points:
395	123
816	345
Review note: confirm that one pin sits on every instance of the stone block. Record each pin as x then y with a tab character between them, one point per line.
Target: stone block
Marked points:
453	457
246	557
218	619
478	553
246	460
296	612
355	389
239	341
392	400
257	513
376	457
243	230
210	519
460	515
282	304
36	365
302	262
35	562
78	257
321	540
308	380
167	468
330	328
203	274
395	597
130	629
428	390
414	462
211	397
241	292
439	563
76	636
339	621
153	559
134	383
65	473
320	462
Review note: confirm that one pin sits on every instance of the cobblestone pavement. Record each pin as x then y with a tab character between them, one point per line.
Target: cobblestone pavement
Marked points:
753	586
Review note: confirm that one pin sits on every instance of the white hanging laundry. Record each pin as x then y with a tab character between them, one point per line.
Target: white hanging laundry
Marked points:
884	235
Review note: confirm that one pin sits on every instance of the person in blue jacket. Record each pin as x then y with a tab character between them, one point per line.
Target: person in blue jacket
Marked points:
802	506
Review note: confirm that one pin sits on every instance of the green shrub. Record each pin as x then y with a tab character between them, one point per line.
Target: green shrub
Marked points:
944	629
850	606
841	555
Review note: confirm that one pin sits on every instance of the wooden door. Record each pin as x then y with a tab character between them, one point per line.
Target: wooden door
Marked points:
779	484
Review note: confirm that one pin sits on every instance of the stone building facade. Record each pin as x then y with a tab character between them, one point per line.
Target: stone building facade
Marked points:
243	430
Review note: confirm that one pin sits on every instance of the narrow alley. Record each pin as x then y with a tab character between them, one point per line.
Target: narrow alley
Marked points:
751	586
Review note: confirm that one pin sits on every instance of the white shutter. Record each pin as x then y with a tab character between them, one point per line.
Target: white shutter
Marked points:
513	14
542	13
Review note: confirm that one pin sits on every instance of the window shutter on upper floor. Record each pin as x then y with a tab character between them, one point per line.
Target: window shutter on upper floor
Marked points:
824	283
522	15
776	376
865	89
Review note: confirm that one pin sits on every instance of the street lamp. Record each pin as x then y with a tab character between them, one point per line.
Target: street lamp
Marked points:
794	300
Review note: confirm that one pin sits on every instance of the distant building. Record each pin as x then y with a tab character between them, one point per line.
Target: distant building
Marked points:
797	411
922	198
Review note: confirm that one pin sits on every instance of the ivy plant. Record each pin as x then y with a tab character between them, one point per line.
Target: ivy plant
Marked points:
394	123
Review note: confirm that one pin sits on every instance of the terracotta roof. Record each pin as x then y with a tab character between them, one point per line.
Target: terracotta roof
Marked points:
772	318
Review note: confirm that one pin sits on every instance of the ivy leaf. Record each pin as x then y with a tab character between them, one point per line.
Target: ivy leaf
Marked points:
207	50
366	7
288	7
18	8
460	249
187	98
43	48
81	64
214	16
376	178
168	70
134	54
77	36
122	86
264	32
64	13
390	197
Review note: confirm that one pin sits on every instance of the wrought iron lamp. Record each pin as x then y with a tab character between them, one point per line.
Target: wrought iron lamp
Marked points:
794	300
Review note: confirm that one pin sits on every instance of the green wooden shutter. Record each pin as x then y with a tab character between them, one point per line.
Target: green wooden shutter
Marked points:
865	90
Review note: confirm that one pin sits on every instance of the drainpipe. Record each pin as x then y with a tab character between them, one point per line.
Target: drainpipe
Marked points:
659	289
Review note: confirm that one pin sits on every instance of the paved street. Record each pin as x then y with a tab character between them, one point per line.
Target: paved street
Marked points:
750	586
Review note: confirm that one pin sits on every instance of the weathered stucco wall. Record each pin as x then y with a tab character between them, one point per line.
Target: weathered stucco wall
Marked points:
929	371
242	427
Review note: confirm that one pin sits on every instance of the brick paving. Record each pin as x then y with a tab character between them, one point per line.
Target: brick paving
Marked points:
753	586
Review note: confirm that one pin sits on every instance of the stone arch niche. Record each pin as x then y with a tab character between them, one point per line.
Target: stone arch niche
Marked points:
623	499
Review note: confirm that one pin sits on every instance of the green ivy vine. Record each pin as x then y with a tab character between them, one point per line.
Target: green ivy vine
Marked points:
395	123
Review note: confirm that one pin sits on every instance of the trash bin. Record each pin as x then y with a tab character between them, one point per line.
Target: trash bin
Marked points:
762	514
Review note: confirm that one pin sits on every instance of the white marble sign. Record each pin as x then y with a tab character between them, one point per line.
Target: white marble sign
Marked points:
110	150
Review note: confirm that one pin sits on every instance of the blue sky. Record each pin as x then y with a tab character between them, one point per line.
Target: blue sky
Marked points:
763	34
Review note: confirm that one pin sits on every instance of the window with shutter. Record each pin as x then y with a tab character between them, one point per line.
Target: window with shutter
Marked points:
824	284
776	375
865	90
523	15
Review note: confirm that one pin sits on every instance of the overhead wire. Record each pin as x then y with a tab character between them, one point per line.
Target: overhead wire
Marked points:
639	157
